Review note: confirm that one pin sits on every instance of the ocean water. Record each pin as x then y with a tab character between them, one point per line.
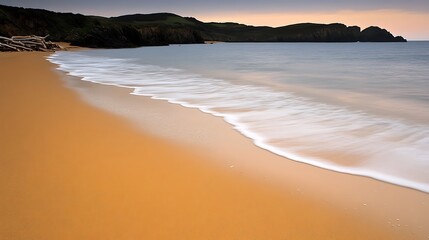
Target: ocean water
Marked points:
357	108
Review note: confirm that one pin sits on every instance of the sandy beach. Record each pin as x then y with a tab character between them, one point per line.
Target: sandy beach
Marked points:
72	169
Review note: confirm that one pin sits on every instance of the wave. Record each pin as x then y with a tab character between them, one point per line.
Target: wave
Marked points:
298	128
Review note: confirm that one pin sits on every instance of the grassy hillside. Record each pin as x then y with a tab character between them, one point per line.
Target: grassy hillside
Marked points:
91	31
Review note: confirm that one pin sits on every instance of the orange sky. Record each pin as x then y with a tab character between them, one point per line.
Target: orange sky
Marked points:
407	24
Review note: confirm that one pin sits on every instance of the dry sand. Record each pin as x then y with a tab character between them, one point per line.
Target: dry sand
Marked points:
71	171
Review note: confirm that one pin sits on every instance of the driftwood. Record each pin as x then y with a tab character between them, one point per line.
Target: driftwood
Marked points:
27	43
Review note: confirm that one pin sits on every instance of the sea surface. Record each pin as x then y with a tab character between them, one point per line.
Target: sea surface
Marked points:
357	108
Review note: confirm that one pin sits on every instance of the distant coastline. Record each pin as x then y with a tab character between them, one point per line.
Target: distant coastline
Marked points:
166	28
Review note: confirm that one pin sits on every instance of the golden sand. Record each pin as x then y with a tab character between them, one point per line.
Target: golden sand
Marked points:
71	171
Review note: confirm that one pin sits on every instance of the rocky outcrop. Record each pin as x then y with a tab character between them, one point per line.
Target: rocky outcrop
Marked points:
376	34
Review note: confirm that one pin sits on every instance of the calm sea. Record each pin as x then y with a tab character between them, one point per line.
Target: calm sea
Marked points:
357	108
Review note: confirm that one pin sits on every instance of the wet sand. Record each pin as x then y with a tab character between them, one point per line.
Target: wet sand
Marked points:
69	170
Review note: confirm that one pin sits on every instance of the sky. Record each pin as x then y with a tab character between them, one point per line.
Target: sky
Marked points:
409	18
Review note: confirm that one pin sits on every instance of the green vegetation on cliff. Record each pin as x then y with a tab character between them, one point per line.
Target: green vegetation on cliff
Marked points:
91	31
166	28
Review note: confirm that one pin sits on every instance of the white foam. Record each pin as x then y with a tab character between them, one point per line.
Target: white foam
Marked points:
298	128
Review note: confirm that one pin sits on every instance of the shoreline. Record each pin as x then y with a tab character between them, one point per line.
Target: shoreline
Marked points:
200	196
195	129
349	140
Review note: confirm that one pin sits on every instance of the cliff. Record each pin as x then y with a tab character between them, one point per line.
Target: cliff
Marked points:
166	28
90	31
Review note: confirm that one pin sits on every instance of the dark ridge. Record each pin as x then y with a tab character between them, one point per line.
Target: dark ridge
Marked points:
376	34
167	28
153	17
